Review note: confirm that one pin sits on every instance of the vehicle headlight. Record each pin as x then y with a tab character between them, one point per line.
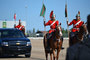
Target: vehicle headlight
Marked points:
5	43
28	43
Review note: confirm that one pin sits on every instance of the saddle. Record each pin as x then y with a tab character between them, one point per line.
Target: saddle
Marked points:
73	34
48	36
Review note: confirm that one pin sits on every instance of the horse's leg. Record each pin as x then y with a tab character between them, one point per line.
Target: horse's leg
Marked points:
54	55
45	44
46	55
58	50
69	42
51	56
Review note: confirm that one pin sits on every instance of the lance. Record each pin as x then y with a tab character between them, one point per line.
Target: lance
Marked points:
66	15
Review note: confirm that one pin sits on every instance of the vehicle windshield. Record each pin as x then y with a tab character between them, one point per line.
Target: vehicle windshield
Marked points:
11	34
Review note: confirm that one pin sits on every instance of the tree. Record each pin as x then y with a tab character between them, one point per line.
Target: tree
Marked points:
63	31
37	30
33	30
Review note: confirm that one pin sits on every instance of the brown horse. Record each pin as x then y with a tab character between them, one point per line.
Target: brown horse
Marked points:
55	44
79	35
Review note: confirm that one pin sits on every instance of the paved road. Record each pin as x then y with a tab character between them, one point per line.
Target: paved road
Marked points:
38	51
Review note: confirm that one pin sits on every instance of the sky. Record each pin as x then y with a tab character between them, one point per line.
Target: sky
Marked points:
29	11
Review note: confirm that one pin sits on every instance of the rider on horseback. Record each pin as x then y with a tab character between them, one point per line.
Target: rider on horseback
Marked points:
20	26
52	23
77	23
80	51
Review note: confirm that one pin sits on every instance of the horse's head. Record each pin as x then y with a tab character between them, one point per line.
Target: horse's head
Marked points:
83	29
58	31
82	32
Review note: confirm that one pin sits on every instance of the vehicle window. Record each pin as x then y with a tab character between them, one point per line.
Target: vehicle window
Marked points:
5	33
12	34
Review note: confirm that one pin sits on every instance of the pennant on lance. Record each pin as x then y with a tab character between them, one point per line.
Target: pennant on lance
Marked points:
66	10
43	11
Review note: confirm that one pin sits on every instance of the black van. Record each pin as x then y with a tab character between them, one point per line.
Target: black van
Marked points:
14	42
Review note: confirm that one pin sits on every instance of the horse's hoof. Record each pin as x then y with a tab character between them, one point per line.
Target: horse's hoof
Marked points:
62	48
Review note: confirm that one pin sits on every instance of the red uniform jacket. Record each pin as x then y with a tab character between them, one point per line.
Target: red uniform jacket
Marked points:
52	25
76	25
19	27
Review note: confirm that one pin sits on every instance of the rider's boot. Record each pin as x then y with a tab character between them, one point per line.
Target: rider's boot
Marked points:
48	41
48	45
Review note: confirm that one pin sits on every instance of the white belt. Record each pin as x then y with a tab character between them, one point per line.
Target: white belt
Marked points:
77	23
52	23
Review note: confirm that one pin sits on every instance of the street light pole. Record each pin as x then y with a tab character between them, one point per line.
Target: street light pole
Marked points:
26	11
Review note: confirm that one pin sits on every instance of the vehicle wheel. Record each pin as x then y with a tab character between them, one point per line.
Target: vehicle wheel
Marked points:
27	55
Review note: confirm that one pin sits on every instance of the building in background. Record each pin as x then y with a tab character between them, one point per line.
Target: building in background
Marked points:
40	33
10	24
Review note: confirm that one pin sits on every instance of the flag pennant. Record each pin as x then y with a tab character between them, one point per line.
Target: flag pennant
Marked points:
43	10
66	10
15	16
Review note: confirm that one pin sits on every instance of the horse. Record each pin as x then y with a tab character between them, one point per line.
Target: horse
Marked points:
79	35
55	44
